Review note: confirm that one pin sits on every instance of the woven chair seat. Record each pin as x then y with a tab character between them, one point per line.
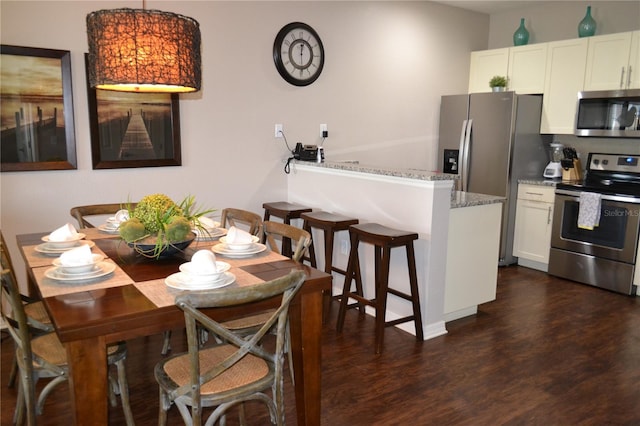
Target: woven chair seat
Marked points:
37	311
248	370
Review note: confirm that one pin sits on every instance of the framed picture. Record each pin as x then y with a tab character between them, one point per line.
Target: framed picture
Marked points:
134	129
36	104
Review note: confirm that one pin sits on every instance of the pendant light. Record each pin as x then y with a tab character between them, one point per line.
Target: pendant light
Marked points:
138	50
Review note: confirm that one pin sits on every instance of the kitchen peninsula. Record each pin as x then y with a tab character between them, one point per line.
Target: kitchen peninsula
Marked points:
451	285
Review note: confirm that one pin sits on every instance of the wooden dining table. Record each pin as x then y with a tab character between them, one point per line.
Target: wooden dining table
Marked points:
134	301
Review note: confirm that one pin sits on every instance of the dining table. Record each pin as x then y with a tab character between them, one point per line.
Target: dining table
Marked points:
134	300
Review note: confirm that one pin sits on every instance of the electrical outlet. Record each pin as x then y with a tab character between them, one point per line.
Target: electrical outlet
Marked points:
324	131
278	132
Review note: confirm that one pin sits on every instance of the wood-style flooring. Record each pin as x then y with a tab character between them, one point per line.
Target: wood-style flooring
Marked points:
545	352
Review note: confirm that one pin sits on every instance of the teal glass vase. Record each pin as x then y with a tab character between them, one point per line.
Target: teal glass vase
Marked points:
587	26
521	36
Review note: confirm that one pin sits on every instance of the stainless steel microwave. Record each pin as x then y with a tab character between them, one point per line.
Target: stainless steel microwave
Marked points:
613	114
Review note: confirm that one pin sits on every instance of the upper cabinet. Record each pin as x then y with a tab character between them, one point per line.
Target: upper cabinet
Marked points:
524	66
527	68
566	63
613	62
484	65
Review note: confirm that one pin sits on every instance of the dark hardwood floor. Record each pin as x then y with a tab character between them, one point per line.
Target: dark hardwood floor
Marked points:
546	352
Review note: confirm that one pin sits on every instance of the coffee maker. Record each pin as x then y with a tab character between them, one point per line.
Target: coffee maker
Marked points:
554	168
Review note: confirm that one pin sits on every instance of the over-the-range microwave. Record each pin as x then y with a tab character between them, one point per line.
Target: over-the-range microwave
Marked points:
614	113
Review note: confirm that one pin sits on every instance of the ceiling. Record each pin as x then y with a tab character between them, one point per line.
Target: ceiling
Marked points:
488	7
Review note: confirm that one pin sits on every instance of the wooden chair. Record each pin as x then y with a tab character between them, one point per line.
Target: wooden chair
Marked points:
276	231
45	357
37	318
242	218
80	213
237	370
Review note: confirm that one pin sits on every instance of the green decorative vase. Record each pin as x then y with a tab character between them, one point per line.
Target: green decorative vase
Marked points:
521	36
587	26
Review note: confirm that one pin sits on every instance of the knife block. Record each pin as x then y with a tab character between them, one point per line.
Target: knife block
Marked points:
573	173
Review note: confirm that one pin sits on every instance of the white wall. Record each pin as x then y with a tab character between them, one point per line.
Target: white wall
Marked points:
387	63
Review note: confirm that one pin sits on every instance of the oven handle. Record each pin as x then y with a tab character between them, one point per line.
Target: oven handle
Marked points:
576	194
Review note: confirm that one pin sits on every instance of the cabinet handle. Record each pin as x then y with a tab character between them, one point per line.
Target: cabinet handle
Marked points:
622	78
534	193
629	78
549	215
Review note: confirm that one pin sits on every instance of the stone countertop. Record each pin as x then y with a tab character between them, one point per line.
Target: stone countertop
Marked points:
355	166
541	182
470	199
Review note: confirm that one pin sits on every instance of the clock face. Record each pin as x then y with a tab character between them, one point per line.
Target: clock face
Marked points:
298	54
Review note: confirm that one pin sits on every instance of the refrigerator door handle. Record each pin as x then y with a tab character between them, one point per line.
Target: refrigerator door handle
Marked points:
464	153
463	135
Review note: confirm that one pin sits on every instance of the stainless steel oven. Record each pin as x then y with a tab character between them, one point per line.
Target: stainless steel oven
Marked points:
606	255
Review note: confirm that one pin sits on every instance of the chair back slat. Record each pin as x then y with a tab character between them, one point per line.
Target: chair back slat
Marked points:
276	231
244	219
80	213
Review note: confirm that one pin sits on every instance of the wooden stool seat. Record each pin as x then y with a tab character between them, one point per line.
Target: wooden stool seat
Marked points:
285	211
384	239
329	223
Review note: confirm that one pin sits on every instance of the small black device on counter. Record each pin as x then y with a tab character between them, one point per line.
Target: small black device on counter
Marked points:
305	152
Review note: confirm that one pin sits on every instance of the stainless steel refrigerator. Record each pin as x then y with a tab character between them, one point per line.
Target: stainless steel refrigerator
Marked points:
492	140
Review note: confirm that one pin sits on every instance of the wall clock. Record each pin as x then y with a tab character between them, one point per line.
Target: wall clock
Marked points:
298	54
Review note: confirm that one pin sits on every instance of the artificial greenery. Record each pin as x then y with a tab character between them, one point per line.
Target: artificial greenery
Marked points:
157	220
498	81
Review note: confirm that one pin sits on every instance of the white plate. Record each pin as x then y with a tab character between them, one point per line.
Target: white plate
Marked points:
45	249
221	249
104	268
179	281
205	278
109	229
212	233
239	246
79	269
63	244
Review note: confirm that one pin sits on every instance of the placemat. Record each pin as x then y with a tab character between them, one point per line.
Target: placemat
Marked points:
36	259
49	287
162	295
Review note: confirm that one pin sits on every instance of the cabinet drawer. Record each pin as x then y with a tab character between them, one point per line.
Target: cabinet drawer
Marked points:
541	193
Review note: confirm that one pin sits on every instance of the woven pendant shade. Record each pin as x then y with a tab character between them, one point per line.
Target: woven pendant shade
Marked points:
137	50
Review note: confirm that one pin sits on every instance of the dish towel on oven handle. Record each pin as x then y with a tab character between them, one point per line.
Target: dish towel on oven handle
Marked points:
589	211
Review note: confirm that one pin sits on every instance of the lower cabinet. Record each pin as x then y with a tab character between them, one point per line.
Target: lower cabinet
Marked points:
534	215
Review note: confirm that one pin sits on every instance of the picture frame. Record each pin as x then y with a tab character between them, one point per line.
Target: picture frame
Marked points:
36	104
133	129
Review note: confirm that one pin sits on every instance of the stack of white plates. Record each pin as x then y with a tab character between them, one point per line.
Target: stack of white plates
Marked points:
184	281
56	248
88	272
238	250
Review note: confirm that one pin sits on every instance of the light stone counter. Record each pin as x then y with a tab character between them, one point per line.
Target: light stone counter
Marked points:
542	182
470	199
355	166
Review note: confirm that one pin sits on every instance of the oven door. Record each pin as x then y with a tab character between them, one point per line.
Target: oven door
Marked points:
616	237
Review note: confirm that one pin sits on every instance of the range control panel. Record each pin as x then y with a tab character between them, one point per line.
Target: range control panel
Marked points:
615	163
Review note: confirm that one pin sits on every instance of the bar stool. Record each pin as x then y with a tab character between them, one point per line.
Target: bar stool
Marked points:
384	239
285	211
329	223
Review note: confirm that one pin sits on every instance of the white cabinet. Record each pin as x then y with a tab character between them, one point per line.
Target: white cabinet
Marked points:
532	236
524	67
613	62
564	78
473	249
484	65
527	67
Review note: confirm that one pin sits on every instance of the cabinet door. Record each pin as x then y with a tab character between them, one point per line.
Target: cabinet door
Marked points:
532	236
527	66
633	73
484	65
607	60
564	78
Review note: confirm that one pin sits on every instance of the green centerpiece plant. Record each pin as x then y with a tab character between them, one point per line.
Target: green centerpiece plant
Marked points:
158	224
